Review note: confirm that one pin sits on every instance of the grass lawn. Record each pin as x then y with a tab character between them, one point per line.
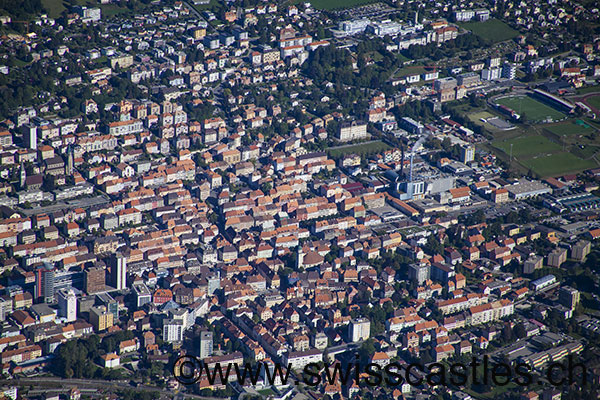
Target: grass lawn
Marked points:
586	152
493	30
532	109
594	101
203	7
57	7
376	146
569	128
527	146
54	7
588	89
557	164
337	4
110	10
375	55
403	58
412	70
476	116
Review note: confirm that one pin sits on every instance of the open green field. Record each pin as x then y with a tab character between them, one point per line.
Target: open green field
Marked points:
337	4
588	89
403	58
594	101
110	10
585	152
54	7
569	128
476	116
412	70
376	146
203	7
557	164
532	109
493	30
527	146
535	152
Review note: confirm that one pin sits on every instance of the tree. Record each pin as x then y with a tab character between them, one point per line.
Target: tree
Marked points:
366	351
433	245
507	335
520	331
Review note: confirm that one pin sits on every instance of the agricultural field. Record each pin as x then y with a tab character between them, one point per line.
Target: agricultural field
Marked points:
362	149
493	30
532	109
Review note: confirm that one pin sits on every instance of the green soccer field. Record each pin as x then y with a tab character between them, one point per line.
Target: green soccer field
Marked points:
532	109
545	158
569	128
338	4
594	101
493	30
527	146
557	164
376	146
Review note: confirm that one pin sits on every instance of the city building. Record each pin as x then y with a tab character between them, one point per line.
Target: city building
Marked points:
206	344
67	304
568	297
418	273
172	330
30	136
94	278
533	263
44	284
118	271
359	329
557	257
580	250
349	131
467	154
509	71
101	318
142	294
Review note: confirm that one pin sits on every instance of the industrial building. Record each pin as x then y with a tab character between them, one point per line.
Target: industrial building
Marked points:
543	283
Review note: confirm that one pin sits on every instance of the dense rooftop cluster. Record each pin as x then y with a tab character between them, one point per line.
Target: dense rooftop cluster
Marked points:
268	182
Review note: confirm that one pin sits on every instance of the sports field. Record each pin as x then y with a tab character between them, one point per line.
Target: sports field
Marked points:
594	101
338	4
493	30
569	128
373	147
532	109
544	157
557	164
527	146
412	70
